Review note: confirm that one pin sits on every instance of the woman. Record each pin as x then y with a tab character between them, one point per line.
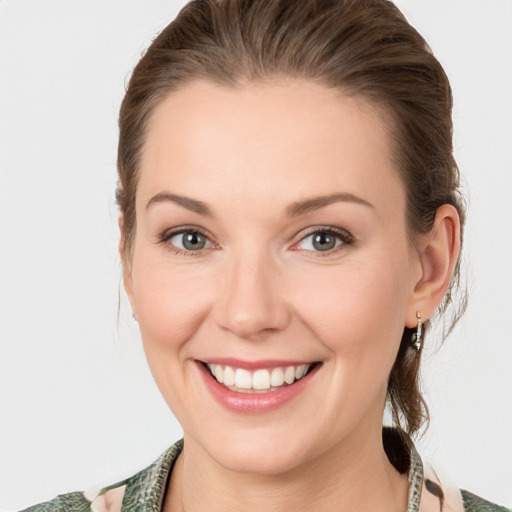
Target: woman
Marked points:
290	220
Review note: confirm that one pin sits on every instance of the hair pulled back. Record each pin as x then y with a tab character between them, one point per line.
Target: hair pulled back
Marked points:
361	47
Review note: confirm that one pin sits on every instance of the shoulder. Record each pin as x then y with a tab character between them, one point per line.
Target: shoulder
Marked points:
73	502
430	491
473	503
145	488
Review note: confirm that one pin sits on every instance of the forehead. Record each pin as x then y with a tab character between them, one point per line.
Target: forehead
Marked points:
287	139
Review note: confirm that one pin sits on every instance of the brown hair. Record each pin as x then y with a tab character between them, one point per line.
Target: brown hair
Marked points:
362	47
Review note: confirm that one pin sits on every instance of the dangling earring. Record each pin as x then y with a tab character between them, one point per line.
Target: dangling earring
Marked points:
134	317
416	336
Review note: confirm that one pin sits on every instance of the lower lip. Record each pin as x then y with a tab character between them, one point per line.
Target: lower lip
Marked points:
254	403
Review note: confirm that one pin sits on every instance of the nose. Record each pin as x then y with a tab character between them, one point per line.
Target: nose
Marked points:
252	300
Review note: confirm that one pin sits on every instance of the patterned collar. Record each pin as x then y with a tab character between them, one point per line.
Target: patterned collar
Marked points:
415	478
145	491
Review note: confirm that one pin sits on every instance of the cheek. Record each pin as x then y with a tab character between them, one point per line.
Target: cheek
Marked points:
170	302
357	313
356	309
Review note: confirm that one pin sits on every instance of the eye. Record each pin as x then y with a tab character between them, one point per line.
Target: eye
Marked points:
189	240
324	240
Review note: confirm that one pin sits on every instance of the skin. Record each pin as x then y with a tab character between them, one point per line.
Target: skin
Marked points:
260	290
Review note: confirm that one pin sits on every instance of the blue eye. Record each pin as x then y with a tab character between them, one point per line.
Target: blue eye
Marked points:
324	240
189	241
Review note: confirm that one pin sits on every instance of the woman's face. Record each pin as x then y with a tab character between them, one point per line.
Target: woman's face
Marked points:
271	241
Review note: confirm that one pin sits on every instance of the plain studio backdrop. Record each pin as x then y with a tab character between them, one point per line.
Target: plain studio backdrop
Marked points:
78	406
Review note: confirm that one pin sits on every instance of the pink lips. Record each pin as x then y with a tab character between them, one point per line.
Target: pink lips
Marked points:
254	403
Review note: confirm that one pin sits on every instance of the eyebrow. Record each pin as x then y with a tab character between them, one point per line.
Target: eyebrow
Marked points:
190	204
294	210
315	203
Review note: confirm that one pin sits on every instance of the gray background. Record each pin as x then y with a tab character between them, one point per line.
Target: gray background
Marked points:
78	406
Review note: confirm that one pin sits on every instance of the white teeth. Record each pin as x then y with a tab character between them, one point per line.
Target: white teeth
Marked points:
259	380
243	379
229	376
300	371
277	377
289	375
219	374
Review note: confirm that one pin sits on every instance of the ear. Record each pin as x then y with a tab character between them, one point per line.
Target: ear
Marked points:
438	254
126	262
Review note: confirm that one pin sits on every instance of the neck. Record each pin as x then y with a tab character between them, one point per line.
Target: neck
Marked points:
354	475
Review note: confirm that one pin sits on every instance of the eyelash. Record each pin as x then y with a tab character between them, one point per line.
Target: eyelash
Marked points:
344	236
166	236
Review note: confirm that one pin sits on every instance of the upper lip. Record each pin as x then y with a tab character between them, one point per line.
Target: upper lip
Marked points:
253	365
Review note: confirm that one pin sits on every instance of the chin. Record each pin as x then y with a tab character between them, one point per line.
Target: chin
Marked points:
258	452
259	462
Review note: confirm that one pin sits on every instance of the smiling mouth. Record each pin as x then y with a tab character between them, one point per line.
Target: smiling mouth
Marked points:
261	380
